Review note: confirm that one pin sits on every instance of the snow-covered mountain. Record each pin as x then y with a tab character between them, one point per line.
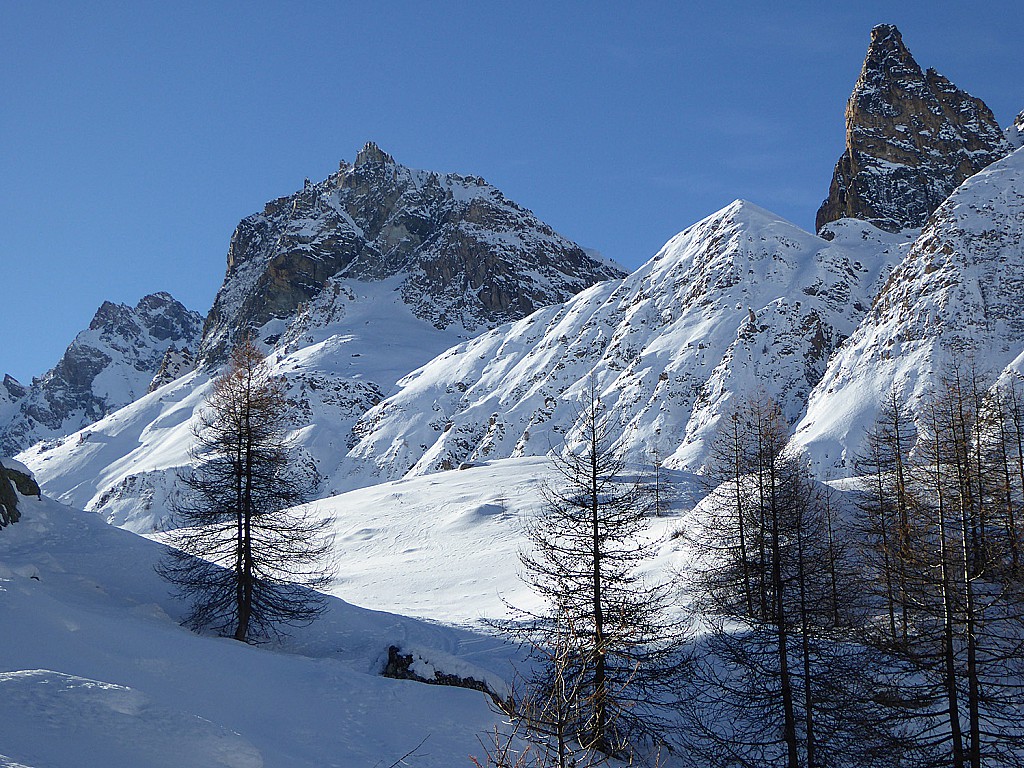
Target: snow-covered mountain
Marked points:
957	294
107	366
911	138
467	257
739	303
351	284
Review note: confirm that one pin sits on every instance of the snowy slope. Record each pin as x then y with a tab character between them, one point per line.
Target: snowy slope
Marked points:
96	672
340	357
956	295
446	545
740	302
108	365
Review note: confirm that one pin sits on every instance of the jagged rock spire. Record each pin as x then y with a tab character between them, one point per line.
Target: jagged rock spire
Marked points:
912	137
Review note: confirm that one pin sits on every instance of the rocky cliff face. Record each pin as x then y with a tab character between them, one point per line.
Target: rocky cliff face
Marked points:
957	296
175	364
107	366
467	256
912	137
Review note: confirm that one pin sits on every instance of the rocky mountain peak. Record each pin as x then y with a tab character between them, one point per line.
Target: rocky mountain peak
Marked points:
912	137
371	154
15	390
107	366
467	257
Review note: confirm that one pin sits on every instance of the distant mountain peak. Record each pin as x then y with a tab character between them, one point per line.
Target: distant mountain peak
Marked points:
107	366
371	154
912	137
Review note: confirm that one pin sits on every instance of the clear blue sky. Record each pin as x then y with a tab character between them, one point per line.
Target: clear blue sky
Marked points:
135	135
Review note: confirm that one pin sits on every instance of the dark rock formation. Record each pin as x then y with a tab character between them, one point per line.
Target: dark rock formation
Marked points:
912	137
466	256
13	482
1015	133
399	667
176	363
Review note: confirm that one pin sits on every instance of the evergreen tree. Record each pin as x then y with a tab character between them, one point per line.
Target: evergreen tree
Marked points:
777	680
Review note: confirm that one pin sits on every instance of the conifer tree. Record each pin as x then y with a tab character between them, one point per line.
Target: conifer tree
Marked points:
246	559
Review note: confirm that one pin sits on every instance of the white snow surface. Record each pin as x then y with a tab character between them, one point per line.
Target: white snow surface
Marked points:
740	303
956	297
96	671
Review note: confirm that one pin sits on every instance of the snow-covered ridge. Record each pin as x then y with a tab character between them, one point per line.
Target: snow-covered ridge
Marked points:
957	294
739	303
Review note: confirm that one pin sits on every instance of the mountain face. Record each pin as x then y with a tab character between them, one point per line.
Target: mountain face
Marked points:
740	303
912	137
349	284
468	257
107	366
956	297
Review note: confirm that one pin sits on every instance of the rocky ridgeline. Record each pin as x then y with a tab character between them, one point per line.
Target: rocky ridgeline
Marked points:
741	303
469	257
912	137
107	366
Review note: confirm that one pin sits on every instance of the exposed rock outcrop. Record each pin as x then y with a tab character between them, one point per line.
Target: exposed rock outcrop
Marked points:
176	363
912	137
1015	133
13	482
468	256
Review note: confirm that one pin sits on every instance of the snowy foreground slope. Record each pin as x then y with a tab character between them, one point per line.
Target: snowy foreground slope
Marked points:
95	670
957	296
740	303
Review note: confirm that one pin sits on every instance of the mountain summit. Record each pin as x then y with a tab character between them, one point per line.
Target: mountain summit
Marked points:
107	366
467	257
912	137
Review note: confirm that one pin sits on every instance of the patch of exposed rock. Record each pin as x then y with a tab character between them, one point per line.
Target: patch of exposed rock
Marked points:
176	363
912	137
13	482
404	666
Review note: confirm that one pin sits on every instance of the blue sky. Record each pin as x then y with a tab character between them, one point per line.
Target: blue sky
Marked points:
134	136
